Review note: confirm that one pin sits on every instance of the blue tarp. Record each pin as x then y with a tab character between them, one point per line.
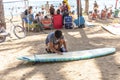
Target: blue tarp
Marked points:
79	21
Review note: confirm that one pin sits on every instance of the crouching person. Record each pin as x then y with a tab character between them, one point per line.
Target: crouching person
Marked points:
55	42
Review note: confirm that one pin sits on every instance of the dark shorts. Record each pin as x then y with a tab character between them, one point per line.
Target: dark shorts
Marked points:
61	50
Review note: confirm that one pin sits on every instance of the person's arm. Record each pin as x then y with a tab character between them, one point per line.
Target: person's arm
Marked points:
64	44
53	49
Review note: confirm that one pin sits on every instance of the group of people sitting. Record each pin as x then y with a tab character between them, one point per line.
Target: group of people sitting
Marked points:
105	13
55	19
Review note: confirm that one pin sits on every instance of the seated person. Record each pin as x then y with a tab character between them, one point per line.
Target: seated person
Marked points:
46	23
37	22
57	20
80	22
103	14
109	14
94	15
2	29
116	13
55	42
73	14
90	15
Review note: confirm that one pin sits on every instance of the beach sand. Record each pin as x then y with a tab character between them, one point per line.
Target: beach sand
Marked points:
102	68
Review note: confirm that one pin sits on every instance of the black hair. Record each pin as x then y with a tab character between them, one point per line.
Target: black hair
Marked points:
58	11
46	17
30	7
58	34
37	15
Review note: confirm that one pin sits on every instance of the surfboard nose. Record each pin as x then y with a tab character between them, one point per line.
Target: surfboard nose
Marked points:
111	50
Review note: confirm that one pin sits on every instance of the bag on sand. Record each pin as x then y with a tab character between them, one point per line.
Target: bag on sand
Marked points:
68	22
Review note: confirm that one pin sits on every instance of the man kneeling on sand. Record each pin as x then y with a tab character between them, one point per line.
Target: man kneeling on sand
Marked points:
55	42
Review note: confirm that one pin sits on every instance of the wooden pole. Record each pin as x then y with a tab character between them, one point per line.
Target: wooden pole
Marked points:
79	11
79	8
86	6
2	17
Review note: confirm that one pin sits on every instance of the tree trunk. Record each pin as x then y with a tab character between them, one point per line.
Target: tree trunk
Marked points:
86	6
2	17
79	8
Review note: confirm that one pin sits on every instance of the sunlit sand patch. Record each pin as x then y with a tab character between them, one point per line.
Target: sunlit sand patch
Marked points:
37	77
75	34
95	44
82	70
100	35
19	73
12	58
117	58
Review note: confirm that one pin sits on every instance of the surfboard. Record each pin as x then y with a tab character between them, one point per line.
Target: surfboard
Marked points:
114	29
89	24
68	56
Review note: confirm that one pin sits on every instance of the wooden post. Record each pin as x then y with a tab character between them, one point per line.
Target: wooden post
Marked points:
79	8
79	11
2	17
86	6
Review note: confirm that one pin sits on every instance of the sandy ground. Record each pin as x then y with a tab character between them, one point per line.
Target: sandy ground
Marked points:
103	68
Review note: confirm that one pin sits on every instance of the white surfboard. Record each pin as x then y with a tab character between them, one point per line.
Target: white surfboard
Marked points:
114	29
68	56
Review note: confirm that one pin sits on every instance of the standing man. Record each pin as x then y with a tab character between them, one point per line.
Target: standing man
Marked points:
25	18
95	7
47	7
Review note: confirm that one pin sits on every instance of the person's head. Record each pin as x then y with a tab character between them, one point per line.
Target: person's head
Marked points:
67	13
30	8
58	11
46	17
73	12
58	34
39	13
51	5
47	2
36	15
63	2
60	4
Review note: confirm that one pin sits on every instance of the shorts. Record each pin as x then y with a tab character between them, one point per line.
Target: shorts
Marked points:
61	50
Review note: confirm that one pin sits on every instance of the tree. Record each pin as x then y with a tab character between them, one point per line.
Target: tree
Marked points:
79	8
86	6
2	17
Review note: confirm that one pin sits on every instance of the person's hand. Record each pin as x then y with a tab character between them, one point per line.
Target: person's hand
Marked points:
65	50
59	53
